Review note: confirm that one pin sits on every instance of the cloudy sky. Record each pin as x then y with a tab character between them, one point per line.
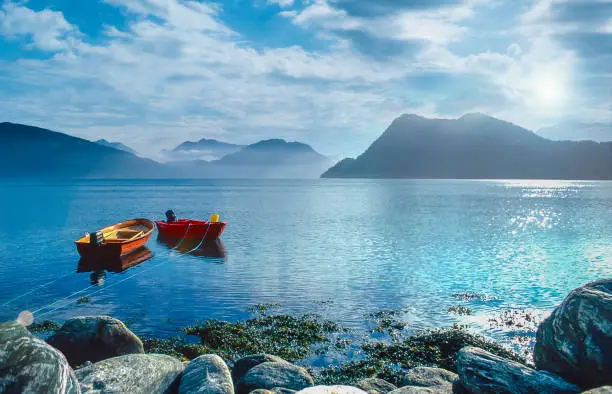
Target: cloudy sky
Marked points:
332	73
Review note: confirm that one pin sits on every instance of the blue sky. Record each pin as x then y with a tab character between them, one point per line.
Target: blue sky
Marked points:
331	73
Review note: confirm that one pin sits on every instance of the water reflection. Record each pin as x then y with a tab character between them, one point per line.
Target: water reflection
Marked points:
98	268
212	250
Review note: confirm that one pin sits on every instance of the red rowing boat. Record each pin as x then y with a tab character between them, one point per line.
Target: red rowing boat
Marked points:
191	229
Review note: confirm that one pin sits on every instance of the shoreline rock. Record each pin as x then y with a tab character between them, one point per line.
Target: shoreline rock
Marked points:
94	338
133	373
30	365
482	372
269	375
575	341
206	374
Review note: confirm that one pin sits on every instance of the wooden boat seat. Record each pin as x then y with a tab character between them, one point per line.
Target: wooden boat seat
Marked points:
122	235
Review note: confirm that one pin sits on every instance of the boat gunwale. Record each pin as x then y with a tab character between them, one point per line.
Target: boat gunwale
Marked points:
117	226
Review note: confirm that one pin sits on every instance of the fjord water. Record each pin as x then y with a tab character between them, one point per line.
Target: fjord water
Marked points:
364	245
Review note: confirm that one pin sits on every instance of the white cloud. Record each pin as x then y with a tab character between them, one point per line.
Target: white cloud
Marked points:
177	72
48	29
437	26
282	3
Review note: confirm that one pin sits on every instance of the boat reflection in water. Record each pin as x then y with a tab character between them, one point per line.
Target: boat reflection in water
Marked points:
98	267
214	250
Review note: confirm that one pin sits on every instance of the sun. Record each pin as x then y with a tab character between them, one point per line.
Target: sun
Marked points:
549	88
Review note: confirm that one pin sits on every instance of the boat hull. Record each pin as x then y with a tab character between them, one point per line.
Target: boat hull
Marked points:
116	248
191	229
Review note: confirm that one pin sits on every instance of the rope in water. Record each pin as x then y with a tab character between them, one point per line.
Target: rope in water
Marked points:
114	284
103	288
36	289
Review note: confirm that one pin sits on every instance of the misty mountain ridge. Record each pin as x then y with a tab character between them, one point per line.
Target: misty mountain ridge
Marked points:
274	158
116	145
204	149
474	146
27	151
578	131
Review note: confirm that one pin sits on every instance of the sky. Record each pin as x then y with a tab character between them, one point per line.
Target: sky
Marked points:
330	73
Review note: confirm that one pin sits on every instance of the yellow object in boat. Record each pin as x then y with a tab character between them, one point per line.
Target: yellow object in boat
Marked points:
214	218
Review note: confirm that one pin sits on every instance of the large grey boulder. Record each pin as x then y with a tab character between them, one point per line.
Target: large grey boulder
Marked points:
244	364
133	373
282	390
422	390
207	374
94	338
331	390
375	386
29	365
269	375
482	372
575	341
429	377
599	390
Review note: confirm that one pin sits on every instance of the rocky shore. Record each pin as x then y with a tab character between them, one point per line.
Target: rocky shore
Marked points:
99	354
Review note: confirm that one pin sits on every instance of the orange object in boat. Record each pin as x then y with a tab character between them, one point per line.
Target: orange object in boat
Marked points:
117	240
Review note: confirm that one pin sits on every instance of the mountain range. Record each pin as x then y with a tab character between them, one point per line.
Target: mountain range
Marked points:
578	131
474	146
27	151
116	145
204	149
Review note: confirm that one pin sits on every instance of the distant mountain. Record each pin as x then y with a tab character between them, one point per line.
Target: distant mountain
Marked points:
274	158
204	149
27	151
578	131
473	146
116	145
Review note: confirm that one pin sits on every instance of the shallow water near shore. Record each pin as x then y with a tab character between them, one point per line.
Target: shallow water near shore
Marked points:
341	248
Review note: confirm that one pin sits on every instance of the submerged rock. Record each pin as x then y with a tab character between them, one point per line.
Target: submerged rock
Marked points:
575	341
429	377
375	386
94	338
245	363
29	365
207	374
331	390
482	372
269	375
134	374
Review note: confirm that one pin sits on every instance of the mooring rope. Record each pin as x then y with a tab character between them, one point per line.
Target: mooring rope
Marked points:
183	239
203	239
36	289
99	290
69	297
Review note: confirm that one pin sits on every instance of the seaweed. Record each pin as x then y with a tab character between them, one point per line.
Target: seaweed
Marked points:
45	326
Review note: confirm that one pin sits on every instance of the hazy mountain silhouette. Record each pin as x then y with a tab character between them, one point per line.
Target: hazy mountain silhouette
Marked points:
275	158
116	145
27	151
578	131
474	146
204	149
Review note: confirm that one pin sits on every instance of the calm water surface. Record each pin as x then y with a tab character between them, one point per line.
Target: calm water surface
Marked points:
366	245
